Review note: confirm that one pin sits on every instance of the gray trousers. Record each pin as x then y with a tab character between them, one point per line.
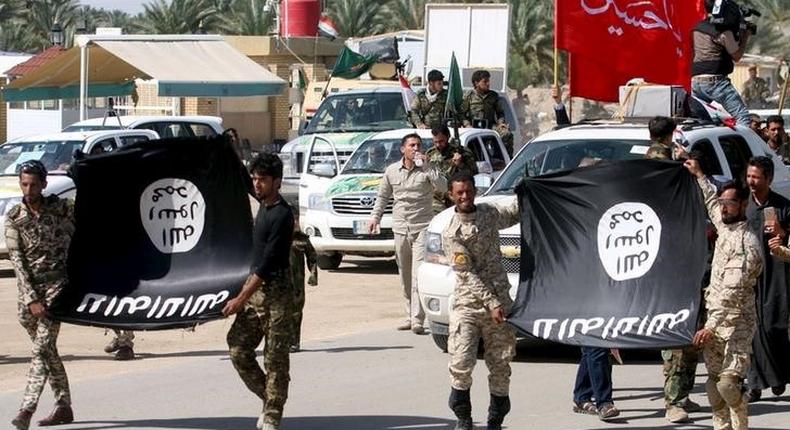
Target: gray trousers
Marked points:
409	253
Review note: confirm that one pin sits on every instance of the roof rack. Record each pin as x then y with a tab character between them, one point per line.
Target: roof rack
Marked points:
685	123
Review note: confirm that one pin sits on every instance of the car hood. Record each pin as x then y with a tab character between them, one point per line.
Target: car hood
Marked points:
348	184
343	140
56	184
441	220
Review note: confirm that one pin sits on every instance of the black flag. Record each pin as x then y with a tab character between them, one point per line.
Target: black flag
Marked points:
616	256
163	235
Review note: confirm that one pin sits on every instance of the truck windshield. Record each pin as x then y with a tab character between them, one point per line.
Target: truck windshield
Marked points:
550	156
359	112
375	155
56	155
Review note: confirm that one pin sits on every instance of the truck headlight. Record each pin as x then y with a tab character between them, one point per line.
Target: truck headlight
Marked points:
288	167
433	304
317	202
433	249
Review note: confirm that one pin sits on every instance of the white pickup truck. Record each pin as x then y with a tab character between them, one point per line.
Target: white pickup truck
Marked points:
727	151
338	206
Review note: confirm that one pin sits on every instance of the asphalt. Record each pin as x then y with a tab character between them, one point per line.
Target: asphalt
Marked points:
370	381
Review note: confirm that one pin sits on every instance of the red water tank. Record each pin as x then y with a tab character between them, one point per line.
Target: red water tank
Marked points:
299	18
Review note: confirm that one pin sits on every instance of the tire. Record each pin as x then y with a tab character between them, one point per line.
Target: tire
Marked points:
329	261
440	340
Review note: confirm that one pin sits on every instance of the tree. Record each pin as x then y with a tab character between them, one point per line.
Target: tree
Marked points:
532	42
178	16
246	17
356	18
43	14
405	15
9	10
15	36
773	35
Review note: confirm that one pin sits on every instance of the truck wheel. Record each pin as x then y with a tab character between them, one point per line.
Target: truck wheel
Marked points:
330	261
441	341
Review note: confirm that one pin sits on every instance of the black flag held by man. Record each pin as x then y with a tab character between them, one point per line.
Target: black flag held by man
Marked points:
615	256
162	235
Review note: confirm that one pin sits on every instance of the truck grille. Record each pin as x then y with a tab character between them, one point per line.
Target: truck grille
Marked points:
357	205
511	265
348	234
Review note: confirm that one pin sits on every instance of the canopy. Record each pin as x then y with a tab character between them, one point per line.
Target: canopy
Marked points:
184	66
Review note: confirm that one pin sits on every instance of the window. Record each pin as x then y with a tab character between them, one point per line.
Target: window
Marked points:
710	160
202	130
16	105
128	140
34	105
102	146
476	147
49	104
494	150
737	152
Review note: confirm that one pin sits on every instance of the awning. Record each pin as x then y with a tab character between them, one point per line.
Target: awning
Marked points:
183	66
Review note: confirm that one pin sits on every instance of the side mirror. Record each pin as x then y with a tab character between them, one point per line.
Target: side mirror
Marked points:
326	170
484	167
483	182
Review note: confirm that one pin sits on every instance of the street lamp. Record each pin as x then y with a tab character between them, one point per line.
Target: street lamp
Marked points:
57	34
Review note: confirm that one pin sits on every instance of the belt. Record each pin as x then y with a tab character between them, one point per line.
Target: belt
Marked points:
709	78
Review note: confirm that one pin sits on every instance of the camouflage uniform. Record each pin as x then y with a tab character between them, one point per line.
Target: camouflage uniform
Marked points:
443	160
737	262
38	248
659	151
755	90
471	243
487	106
427	114
267	315
123	338
301	251
680	369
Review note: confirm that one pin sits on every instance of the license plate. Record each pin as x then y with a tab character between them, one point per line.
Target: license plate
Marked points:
361	227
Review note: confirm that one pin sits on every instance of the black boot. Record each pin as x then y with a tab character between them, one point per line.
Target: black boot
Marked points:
461	405
497	410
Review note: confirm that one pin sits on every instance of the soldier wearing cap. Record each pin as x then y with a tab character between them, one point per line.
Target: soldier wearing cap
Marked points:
755	90
427	109
38	232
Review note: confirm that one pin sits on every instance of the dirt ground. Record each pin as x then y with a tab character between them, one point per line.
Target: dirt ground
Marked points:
363	295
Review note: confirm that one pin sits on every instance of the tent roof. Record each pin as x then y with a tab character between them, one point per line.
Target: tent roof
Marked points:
183	66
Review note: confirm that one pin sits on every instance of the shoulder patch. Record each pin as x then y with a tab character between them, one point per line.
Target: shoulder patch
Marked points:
460	260
13	213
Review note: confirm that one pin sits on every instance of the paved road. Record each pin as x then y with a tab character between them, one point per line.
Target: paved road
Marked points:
376	380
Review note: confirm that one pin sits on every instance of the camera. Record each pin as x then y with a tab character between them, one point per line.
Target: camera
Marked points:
729	15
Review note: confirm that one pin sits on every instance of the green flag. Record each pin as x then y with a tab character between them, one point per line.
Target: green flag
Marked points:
350	65
302	81
455	92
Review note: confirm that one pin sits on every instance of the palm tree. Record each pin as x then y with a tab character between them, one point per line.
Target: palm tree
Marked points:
532	41
42	15
246	17
405	14
773	36
9	9
15	36
356	18
178	16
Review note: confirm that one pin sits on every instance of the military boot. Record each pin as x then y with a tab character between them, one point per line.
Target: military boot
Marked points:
60	415
497	409
124	353
461	405
676	415
22	420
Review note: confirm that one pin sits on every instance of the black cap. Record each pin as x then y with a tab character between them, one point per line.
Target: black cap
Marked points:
435	75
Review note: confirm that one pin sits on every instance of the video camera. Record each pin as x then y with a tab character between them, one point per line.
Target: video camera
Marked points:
728	15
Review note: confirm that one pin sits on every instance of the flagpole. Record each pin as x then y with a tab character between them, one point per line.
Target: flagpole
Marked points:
784	94
326	87
556	51
570	89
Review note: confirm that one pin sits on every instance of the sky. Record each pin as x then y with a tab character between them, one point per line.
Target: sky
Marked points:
131	6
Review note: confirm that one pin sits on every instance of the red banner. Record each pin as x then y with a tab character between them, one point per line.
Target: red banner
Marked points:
613	41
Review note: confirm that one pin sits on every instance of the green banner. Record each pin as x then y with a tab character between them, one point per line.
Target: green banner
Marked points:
455	91
350	65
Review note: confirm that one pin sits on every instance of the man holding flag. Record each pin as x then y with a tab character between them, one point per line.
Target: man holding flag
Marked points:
427	109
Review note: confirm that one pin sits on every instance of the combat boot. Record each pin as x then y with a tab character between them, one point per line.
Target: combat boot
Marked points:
124	353
497	409
461	405
270	426
60	415
112	346
22	420
677	415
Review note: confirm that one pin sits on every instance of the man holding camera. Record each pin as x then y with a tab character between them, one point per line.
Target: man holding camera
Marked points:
719	41
450	158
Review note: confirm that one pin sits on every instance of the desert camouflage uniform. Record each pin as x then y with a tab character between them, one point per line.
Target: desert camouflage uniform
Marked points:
124	338
737	262
443	160
38	248
301	252
268	315
659	151
427	114
487	106
471	243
